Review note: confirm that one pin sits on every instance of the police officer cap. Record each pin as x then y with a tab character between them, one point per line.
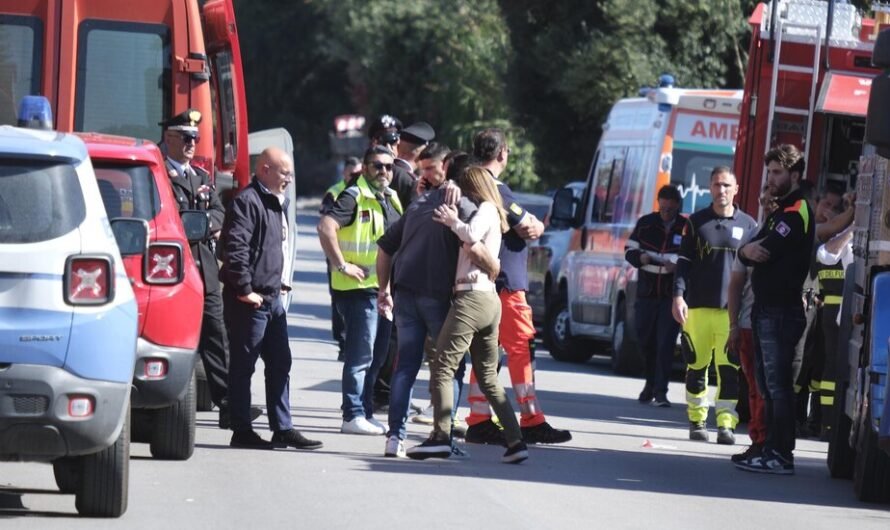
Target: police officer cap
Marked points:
185	121
382	124
420	133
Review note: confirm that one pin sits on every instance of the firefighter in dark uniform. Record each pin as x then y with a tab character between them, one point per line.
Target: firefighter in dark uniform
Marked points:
194	190
653	248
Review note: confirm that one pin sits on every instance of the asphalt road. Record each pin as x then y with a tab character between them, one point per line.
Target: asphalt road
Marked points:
628	466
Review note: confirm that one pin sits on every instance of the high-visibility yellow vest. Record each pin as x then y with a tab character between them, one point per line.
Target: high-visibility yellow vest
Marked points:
358	241
335	190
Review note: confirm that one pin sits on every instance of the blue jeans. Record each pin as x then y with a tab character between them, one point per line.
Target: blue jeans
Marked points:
777	329
256	333
416	318
359	311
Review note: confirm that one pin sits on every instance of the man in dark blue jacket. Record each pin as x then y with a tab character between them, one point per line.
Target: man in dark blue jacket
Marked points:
652	248
255	241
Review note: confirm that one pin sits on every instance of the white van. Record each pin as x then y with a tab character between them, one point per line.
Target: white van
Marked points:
670	136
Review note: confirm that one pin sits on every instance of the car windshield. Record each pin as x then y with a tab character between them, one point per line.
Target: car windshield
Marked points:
127	191
691	172
39	200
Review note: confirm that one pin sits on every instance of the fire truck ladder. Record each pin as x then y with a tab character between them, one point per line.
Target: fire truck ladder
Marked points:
781	31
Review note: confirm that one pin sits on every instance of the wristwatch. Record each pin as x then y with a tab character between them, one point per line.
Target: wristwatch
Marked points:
341	268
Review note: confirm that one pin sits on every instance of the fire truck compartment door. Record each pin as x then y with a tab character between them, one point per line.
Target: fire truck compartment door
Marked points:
844	94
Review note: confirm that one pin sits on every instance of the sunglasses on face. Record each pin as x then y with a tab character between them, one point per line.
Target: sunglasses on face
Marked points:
187	138
381	166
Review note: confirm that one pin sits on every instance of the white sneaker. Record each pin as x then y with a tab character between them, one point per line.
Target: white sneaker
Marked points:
395	448
424	417
360	425
377	424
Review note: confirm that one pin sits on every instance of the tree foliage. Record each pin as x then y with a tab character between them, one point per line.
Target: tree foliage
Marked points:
548	72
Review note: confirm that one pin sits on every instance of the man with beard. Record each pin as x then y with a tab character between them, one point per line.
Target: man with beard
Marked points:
780	255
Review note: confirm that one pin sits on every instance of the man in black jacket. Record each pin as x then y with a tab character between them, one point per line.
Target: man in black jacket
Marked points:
194	190
255	241
780	254
652	248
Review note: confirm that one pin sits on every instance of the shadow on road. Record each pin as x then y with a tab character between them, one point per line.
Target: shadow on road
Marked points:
11	505
677	474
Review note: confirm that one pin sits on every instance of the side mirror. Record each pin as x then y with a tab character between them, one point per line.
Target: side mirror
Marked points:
131	235
196	224
563	209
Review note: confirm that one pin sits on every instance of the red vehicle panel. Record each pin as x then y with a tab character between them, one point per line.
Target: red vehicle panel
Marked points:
122	66
169	314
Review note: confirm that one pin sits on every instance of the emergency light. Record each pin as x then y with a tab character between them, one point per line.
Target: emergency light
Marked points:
35	113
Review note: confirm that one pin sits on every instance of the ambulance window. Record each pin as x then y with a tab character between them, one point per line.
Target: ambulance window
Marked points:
225	117
630	195
123	78
691	174
39	200
606	182
21	40
127	191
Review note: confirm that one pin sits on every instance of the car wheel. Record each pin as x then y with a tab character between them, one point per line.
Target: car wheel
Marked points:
102	490
204	403
173	437
67	472
558	329
871	472
626	359
840	455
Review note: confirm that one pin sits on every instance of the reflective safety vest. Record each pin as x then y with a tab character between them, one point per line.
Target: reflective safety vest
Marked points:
335	190
358	241
831	282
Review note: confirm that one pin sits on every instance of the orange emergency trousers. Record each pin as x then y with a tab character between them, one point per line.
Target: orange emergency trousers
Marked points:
516	331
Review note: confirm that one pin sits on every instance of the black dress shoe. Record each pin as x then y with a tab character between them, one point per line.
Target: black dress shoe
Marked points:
646	395
248	440
225	419
293	438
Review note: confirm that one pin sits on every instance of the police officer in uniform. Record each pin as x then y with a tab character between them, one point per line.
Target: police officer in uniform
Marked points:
194	190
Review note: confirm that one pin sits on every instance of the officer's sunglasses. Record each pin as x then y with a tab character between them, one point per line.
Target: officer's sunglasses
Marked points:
189	137
381	166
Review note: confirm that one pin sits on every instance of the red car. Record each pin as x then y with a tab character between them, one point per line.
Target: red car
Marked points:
168	288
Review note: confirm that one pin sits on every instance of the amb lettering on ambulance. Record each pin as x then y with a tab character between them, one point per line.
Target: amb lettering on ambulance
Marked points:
671	136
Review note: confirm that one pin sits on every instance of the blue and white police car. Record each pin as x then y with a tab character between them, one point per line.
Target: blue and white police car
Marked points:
68	320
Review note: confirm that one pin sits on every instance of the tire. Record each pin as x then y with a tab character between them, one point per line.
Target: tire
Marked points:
102	490
558	331
626	359
871	472
141	425
841	456
173	437
204	403
67	472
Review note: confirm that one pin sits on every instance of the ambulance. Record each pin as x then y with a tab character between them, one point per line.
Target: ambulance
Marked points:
668	136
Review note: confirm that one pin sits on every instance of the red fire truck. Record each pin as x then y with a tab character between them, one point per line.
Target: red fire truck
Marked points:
122	66
809	79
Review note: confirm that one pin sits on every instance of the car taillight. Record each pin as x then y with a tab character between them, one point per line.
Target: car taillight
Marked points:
164	264
89	280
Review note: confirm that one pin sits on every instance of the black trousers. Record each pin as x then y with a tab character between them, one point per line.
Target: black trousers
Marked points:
338	327
214	348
